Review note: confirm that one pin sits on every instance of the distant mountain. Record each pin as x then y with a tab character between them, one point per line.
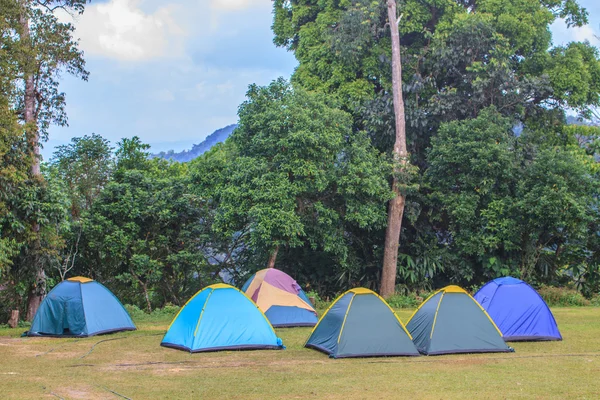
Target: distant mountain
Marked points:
217	136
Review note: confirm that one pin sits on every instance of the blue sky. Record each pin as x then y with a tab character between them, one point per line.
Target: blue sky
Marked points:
173	71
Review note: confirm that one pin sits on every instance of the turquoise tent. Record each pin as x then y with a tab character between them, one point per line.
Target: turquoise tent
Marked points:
80	307
220	317
359	323
451	321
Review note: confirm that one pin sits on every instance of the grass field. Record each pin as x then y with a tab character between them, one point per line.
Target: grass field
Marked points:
133	365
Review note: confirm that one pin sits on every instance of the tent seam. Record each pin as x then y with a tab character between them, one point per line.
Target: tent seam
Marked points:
83	307
324	314
395	315
345	316
423	303
435	316
202	312
486	314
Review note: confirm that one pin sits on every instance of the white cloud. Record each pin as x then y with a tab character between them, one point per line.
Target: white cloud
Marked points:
585	33
120	29
238	4
563	35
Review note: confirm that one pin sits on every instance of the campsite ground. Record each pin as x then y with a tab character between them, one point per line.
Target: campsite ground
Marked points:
133	365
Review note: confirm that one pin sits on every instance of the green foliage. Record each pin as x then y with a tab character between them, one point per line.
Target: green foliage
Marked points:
499	183
562	297
318	303
13	173
409	300
510	206
146	230
168	312
293	175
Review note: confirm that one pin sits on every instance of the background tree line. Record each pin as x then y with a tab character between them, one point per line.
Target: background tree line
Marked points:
496	183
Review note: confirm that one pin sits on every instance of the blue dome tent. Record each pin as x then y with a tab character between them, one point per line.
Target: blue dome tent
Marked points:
220	317
80	307
450	321
518	310
359	323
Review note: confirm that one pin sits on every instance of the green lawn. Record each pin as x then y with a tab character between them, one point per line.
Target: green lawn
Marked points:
135	366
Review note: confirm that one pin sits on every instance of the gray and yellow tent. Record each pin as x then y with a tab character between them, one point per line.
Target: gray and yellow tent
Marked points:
359	323
451	321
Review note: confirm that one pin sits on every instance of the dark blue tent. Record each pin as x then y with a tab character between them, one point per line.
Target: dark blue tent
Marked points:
359	323
451	321
80	307
220	317
518	310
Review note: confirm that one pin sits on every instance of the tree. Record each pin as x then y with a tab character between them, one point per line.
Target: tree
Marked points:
42	48
396	205
145	231
458	59
84	167
13	173
293	175
510	205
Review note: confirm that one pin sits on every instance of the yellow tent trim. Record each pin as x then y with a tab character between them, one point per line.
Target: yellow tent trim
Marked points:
219	286
186	303
255	305
367	291
423	303
357	291
345	316
485	312
436	314
325	313
454	289
203	308
361	290
447	289
80	279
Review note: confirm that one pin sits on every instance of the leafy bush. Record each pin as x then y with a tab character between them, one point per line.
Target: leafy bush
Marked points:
562	297
22	324
410	300
168	311
319	303
595	301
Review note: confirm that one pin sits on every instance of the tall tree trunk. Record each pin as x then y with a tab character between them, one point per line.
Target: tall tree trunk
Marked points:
396	205
38	289
145	287
273	258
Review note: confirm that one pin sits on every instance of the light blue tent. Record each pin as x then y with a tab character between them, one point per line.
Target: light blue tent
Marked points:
80	307
220	317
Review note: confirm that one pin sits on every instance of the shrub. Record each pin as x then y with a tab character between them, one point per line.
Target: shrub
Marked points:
562	297
410	300
168	311
135	312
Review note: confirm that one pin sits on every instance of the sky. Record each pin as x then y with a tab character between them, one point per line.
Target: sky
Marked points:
174	71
